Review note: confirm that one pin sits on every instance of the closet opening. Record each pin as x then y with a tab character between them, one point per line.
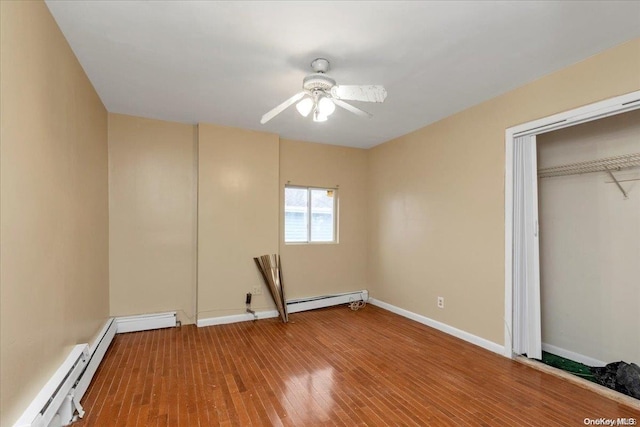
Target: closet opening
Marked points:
572	233
589	227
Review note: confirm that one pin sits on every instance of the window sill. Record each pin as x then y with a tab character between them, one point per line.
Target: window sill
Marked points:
309	243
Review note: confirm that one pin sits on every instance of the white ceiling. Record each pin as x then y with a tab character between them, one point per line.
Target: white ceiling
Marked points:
228	63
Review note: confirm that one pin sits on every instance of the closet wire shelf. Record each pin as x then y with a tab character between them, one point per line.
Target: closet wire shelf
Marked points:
608	164
615	163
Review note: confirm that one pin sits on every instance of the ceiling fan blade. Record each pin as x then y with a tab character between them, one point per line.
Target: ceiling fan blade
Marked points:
351	108
366	93
280	108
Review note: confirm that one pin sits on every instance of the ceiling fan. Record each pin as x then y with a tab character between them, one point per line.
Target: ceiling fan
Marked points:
321	94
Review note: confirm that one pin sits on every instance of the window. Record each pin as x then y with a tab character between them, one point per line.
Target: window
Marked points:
309	215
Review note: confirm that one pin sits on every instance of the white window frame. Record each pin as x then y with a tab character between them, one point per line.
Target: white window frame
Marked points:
309	213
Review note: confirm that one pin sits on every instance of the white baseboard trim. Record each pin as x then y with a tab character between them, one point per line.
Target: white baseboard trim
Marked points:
293	306
145	322
458	333
576	357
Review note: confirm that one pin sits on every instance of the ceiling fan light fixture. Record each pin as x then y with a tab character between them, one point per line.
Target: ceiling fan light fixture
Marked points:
318	117
320	94
326	107
305	106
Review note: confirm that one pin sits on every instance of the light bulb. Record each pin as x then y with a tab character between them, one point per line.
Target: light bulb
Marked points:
305	106
318	117
326	106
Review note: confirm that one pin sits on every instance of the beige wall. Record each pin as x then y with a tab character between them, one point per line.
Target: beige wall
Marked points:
434	219
242	176
54	290
321	269
237	216
152	216
436	196
590	243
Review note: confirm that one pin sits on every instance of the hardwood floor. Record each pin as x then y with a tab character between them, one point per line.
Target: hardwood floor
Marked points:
329	367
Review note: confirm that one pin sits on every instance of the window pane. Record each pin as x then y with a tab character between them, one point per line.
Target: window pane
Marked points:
322	215
295	214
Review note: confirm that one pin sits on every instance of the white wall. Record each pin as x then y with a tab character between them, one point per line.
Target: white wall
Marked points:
590	243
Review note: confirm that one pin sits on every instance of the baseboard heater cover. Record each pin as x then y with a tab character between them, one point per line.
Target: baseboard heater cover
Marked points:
293	306
43	409
57	402
96	352
304	304
145	322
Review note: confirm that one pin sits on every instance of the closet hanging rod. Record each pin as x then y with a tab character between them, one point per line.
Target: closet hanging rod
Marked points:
601	165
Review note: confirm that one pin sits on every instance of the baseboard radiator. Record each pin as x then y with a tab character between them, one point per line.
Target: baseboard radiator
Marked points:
293	306
58	401
304	304
146	322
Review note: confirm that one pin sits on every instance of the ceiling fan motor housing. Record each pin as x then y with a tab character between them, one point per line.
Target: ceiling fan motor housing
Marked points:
318	81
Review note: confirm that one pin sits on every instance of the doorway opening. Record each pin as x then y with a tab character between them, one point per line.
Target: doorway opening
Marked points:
523	330
522	264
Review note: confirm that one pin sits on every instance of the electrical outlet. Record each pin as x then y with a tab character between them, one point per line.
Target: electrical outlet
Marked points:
440	302
257	290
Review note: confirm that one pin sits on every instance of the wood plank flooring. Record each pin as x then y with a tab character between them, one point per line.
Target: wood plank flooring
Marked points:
329	367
